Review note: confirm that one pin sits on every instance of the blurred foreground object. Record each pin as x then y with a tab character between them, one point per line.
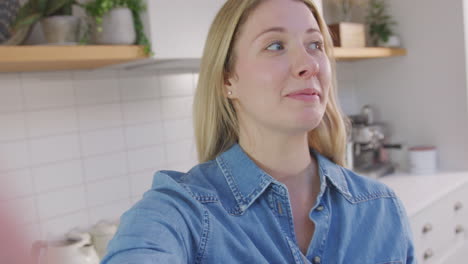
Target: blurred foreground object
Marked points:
13	246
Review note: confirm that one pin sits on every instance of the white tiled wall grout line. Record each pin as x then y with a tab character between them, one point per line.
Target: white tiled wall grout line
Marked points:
28	144
162	118
85	180
127	162
103	154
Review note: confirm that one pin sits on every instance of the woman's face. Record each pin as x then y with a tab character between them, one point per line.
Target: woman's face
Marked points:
280	51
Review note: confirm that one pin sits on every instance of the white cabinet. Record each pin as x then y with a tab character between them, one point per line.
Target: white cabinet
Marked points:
437	207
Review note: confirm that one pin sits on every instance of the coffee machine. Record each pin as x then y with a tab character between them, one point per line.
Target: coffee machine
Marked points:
367	146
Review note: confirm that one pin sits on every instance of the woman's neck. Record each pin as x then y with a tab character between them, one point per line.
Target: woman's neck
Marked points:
287	161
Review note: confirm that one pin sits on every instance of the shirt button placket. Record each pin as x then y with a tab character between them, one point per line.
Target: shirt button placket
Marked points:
317	260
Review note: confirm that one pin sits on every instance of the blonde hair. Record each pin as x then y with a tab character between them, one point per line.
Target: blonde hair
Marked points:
215	121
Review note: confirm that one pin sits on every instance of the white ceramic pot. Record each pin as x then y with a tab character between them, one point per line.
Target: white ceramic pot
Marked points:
61	30
79	250
393	42
101	234
117	28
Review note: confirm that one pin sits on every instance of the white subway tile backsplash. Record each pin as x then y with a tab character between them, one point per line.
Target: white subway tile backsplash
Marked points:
180	151
56	228
178	129
12	126
141	182
58	203
110	212
58	175
144	135
101	116
15	184
96	87
146	158
177	107
183	166
13	155
106	191
69	137
52	122
176	84
53	149
48	90
11	98
138	112
102	141
105	166
138	86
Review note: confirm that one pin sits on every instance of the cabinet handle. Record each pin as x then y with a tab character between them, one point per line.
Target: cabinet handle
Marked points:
429	253
459	229
427	228
458	206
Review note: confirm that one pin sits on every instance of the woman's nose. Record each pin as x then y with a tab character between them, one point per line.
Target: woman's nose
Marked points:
306	66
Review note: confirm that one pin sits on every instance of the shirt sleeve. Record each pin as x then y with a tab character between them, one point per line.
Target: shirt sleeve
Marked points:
410	252
157	228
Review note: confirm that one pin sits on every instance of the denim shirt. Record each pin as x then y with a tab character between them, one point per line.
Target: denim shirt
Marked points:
228	210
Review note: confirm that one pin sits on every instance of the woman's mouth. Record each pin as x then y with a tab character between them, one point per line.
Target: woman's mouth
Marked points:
305	97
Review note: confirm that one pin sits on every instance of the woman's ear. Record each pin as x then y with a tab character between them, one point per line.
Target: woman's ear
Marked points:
228	87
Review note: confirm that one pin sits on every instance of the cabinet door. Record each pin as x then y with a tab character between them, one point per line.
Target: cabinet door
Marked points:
459	256
178	28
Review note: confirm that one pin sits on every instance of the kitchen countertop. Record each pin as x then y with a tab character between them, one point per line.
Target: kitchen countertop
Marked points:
419	191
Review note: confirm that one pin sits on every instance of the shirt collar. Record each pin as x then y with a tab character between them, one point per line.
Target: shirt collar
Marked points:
247	181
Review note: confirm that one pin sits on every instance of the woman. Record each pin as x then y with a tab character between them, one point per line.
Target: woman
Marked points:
271	186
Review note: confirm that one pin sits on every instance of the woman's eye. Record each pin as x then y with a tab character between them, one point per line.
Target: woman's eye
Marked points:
316	45
275	46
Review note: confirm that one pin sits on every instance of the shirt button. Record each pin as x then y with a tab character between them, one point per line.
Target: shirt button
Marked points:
317	259
319	208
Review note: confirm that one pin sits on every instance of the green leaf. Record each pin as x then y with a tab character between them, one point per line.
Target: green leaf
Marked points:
26	10
29	20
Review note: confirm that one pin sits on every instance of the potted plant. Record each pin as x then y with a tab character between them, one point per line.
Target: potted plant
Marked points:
346	33
116	22
381	25
347	7
58	23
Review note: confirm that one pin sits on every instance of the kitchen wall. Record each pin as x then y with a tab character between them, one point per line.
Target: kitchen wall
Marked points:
423	95
80	146
76	147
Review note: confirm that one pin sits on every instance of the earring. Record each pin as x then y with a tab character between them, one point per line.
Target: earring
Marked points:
230	93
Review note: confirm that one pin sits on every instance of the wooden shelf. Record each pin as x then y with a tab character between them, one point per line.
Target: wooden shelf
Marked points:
52	58
347	54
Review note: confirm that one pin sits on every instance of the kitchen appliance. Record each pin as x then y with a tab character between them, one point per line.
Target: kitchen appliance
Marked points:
368	147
